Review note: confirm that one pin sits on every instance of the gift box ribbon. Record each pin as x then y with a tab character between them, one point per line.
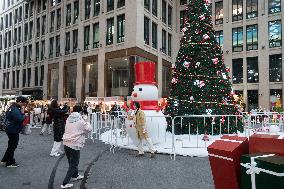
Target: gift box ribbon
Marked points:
253	169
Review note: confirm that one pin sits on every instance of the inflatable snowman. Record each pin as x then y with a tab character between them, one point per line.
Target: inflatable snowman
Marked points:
146	93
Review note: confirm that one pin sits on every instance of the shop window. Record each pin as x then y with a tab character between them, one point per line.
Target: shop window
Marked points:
252	100
276	99
275	68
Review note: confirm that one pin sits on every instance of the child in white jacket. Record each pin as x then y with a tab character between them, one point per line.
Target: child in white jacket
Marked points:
74	139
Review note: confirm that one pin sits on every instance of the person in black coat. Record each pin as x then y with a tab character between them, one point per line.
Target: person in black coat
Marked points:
15	116
58	115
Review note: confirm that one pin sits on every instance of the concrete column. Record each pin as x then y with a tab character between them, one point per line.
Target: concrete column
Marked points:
45	80
60	80
79	79
101	73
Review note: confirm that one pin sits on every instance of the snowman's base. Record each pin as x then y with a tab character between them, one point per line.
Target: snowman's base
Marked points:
185	145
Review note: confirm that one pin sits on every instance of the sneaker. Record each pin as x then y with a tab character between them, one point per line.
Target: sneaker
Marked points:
2	163
139	155
55	155
67	186
14	165
79	177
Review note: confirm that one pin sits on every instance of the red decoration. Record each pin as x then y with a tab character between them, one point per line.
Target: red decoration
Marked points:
145	73
224	157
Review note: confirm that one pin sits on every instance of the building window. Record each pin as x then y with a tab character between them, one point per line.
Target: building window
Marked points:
14	79
36	76
24	77
75	40
275	33
14	58
164	11
1	24
120	28
57	46
251	8
52	3
52	17
29	76
87	9
219	12
58	18
182	18
169	44
51	41
8	61
19	34
219	38
275	99
25	54
154	7
146	30
37	27
38	6
15	36
274	6
43	25
70	75
120	3
42	54
67	43
110	31
86	37
252	70
96	35
26	32
68	15
41	75
183	2
170	16
110	5
31	8
275	68
20	14
237	71
31	30
154	36
18	56
26	10
237	10
166	79
252	37
76	11
16	16
252	99
97	5
8	80
164	41
237	39
30	53
18	78
37	51
6	21
147	4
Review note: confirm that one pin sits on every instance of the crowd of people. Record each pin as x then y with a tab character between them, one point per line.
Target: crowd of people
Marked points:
69	126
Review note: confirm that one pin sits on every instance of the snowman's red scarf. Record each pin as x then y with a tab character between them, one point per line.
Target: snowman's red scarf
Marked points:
149	105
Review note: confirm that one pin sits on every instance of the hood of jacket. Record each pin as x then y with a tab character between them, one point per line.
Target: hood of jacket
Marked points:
74	117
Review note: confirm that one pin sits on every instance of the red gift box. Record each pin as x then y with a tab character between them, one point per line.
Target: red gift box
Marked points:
260	143
224	157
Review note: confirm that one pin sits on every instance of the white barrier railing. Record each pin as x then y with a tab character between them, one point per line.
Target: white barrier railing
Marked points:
116	125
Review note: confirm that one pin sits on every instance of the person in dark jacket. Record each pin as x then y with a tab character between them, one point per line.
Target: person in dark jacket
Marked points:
15	116
47	121
58	116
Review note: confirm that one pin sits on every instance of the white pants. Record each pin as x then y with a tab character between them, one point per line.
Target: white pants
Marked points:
148	143
46	126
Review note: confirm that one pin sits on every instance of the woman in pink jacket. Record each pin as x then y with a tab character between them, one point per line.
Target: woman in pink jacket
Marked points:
73	140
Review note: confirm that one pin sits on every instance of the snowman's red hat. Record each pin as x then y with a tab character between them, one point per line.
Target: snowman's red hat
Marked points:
145	73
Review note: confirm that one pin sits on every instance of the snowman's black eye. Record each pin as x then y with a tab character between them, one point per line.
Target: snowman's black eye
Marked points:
140	89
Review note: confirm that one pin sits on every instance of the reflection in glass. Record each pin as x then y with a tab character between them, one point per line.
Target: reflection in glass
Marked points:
274	6
237	39
70	81
252	36
219	12
252	70
237	10
237	70
275	36
252	99
251	8
275	68
219	38
275	99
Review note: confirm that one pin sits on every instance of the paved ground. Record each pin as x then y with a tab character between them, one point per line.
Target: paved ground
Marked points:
102	169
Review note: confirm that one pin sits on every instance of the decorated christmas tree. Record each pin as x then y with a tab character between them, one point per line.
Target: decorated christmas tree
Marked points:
200	80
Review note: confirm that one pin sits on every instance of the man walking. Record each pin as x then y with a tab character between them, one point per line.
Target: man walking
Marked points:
15	117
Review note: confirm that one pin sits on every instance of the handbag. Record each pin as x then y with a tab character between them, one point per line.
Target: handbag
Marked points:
26	121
